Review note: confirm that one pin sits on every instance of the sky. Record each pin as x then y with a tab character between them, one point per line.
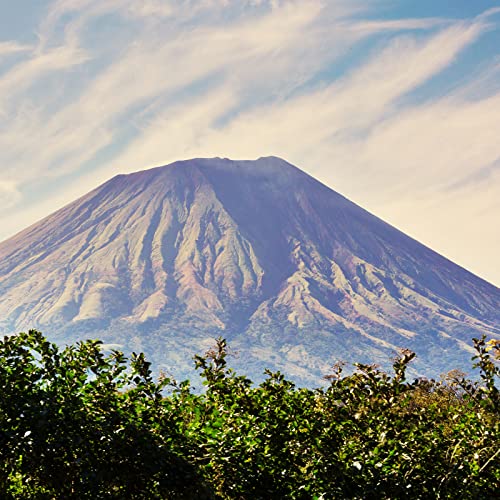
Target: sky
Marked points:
393	103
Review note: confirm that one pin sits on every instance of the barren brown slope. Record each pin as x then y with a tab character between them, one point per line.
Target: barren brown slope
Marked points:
292	272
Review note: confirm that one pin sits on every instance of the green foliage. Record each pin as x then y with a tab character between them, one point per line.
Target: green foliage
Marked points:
368	435
76	423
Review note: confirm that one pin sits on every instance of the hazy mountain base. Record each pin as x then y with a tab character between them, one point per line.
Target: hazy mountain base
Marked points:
305	355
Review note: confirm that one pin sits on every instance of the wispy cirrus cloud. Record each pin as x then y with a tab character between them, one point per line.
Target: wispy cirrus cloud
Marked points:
152	66
9	195
29	72
332	116
12	47
328	85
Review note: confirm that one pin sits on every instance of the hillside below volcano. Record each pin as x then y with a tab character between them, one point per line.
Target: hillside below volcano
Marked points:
293	274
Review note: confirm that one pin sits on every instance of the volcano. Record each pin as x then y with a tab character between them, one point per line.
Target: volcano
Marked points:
293	274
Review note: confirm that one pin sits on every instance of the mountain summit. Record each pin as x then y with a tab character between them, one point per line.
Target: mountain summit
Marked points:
291	272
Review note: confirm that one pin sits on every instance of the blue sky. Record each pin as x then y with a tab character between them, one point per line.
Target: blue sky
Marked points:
395	104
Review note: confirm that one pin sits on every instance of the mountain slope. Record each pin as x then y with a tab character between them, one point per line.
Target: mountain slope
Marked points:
294	274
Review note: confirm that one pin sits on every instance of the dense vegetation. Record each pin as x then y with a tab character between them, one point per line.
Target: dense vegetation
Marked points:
79	423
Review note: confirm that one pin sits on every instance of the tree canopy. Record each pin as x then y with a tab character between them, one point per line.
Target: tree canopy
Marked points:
76	422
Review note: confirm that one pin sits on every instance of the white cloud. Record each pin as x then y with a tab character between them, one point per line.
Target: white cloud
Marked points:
12	47
176	133
249	52
9	195
398	24
29	72
148	8
334	115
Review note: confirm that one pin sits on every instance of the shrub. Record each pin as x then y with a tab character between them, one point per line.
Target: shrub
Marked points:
76	423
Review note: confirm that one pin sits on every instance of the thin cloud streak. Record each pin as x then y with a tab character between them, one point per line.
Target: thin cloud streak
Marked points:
166	67
338	112
12	47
